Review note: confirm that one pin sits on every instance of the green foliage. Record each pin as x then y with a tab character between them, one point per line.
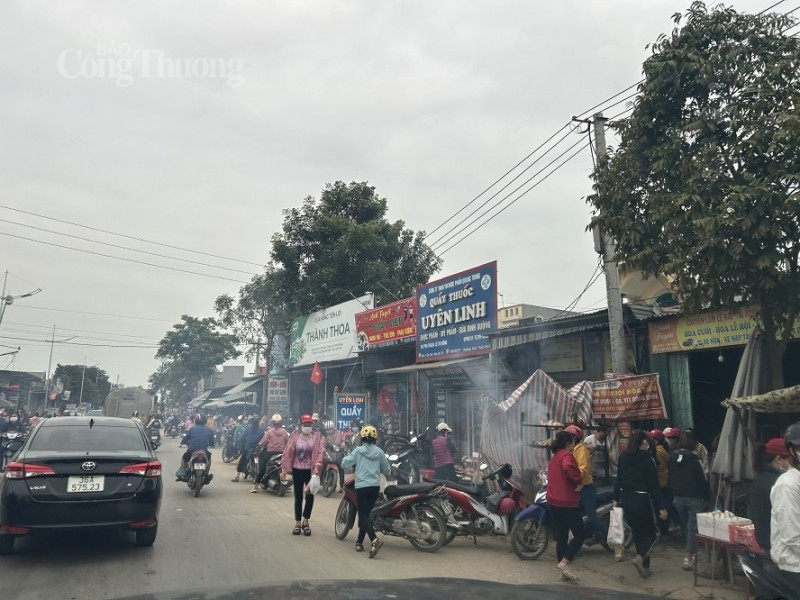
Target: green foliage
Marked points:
96	385
705	183
341	246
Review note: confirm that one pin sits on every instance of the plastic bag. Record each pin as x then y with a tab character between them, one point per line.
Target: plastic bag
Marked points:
312	487
616	529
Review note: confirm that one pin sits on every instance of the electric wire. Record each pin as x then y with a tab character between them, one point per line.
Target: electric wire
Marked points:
130	237
71	343
131	260
78	331
83	312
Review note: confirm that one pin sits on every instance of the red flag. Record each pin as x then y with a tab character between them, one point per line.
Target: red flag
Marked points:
316	374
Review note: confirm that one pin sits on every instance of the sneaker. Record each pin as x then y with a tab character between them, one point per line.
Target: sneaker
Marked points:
638	562
566	574
359	547
688	562
376	545
254	489
618	552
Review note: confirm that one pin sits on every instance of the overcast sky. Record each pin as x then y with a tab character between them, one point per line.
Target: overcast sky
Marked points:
429	101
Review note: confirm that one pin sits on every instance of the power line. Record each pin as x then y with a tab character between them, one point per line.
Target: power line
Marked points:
586	112
71	343
82	312
131	260
130	237
69	330
771	7
77	237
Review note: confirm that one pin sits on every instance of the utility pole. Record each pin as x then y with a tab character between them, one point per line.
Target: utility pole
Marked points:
47	381
616	320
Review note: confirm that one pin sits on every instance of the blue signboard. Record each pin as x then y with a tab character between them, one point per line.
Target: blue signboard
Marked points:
455	314
348	408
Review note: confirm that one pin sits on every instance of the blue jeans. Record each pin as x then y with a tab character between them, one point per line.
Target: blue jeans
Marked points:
589	507
687	512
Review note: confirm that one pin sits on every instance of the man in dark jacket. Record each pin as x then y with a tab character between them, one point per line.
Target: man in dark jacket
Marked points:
771	461
248	444
199	437
689	486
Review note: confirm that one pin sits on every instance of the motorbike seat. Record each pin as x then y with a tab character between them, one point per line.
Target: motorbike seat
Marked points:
467	488
604	494
395	491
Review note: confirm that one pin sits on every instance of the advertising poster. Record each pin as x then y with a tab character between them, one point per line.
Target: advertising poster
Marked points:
348	408
328	334
278	395
559	355
386	325
455	314
633	398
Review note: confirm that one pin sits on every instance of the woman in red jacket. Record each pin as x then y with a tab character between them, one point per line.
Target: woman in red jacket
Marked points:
564	483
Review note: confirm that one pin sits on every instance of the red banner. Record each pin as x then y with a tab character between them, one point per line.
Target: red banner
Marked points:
386	325
631	398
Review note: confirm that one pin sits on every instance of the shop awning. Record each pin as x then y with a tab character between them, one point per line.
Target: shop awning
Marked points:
786	400
198	400
238	392
461	362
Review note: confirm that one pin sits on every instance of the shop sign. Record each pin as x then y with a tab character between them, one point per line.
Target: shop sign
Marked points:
278	388
386	325
714	329
455	314
441	407
348	408
559	355
328	334
632	398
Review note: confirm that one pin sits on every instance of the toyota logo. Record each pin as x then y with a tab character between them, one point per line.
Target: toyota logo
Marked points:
89	466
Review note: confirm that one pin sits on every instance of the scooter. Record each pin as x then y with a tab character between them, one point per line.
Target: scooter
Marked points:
331	465
272	477
198	471
155	438
408	511
529	535
10	442
229	451
767	580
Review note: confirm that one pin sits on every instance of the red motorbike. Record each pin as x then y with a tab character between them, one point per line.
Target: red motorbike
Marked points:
408	511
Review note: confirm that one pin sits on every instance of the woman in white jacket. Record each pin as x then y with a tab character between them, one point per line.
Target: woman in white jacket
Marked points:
369	461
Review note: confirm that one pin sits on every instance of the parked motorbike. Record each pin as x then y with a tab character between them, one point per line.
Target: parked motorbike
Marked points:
412	455
272	477
198	471
331	465
486	506
767	580
408	511
529	535
10	442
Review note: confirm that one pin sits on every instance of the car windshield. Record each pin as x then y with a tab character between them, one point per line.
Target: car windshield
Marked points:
84	439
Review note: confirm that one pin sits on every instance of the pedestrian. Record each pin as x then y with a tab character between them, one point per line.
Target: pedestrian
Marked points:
273	442
369	461
771	460
785	518
248	442
444	453
595	532
690	488
662	453
672	435
564	482
597	443
701	451
637	492
302	458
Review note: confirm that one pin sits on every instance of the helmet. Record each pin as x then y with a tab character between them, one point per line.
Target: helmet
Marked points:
574	430
443	427
276	418
315	417
368	431
792	436
240	418
507	507
254	419
306	419
505	471
672	432
656	434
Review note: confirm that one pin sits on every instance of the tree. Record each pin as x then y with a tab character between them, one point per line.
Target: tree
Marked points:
704	184
96	385
342	245
258	316
172	382
191	351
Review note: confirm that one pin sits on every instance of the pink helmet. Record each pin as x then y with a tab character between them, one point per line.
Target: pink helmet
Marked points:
672	432
574	430
507	507
656	434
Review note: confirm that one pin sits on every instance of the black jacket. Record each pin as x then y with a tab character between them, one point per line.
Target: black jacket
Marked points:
686	477
637	473
759	507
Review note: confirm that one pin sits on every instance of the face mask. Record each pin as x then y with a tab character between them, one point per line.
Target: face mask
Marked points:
354	429
13	419
306	429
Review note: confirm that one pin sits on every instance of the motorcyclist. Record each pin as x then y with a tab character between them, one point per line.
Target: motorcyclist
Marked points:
199	437
238	430
785	516
248	443
15	423
444	453
273	442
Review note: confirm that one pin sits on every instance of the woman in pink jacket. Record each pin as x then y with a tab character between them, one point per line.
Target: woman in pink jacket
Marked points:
302	458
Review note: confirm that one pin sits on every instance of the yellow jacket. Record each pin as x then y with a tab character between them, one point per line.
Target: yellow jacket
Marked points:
583	456
662	460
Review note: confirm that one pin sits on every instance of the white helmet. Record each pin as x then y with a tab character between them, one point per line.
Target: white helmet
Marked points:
443	427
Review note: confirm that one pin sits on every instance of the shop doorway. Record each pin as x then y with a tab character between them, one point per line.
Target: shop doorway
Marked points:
712	375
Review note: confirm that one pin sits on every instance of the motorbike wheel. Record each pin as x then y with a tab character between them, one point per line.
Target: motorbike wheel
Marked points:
329	483
196	485
345	518
430	516
227	455
528	539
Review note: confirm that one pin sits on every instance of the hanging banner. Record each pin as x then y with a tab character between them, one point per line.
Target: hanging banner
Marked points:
328	334
278	395
633	398
348	408
455	314
386	325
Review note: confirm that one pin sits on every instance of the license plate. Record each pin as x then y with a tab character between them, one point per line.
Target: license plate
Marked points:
391	482
200	467
86	483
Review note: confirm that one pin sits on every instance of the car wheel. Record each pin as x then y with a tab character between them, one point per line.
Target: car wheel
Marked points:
6	543
146	537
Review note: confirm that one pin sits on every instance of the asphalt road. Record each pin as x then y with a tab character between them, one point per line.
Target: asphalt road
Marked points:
229	537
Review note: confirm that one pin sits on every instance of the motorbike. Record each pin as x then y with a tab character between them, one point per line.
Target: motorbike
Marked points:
251	464
229	451
765	577
484	507
197	471
412	455
10	442
331	465
272	477
529	537
154	435
408	511
172	431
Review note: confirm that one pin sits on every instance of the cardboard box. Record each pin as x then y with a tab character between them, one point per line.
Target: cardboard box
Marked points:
745	535
716	525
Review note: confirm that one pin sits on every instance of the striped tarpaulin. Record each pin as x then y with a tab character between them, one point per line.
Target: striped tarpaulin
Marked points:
540	399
